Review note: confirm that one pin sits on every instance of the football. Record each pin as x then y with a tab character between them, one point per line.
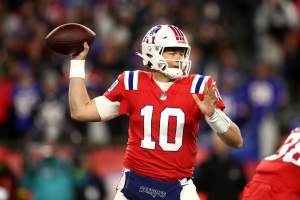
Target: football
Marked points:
68	38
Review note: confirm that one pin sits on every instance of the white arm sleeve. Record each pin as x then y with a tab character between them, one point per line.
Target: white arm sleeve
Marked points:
107	109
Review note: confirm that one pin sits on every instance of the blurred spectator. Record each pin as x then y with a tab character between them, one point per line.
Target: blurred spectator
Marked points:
276	17
291	69
5	103
230	81
51	178
230	90
221	176
210	31
229	66
50	118
9	185
264	94
26	95
273	20
91	186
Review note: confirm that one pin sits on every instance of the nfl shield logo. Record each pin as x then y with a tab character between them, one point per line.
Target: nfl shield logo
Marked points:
163	97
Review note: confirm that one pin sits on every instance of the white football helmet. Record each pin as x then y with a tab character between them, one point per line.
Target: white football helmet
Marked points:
156	40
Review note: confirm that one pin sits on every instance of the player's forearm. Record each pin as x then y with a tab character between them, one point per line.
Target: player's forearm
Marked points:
78	98
232	136
226	129
81	107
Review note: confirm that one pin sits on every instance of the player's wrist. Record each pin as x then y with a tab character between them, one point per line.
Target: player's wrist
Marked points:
211	113
218	121
77	68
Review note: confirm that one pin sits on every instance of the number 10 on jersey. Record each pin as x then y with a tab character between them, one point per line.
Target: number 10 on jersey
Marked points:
148	142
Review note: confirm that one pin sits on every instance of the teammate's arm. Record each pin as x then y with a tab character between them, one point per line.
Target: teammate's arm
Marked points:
228	131
82	108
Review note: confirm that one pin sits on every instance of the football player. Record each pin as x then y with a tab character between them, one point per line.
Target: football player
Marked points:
277	177
164	106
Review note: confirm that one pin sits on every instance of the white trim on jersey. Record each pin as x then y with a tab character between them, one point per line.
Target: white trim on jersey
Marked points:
199	83
195	80
126	80
203	84
131	80
135	79
107	109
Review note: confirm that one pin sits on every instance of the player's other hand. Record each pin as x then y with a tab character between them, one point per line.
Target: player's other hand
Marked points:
81	55
208	104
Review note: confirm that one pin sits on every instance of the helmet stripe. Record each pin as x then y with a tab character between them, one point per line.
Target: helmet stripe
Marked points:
175	32
180	33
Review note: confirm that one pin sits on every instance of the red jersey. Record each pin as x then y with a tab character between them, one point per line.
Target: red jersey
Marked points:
283	168
163	126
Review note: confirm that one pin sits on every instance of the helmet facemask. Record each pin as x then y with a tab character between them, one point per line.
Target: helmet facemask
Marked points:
174	72
156	41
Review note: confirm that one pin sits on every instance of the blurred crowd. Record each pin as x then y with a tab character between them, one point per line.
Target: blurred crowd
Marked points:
250	47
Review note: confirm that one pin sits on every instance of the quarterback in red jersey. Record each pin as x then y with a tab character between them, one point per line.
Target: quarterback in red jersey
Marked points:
164	107
277	177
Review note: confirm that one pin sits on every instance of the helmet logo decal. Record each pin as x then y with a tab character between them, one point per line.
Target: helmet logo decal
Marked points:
178	34
153	32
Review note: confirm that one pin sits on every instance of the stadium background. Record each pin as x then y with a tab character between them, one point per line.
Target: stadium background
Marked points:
250	47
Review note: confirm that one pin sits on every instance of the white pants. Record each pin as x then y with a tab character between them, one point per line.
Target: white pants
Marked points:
188	191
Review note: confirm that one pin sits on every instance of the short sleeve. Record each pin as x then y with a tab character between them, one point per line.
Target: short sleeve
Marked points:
116	92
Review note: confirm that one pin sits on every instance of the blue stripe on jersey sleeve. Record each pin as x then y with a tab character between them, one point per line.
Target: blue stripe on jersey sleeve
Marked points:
130	80
198	85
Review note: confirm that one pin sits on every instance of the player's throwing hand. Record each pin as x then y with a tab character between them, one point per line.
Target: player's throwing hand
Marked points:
82	55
